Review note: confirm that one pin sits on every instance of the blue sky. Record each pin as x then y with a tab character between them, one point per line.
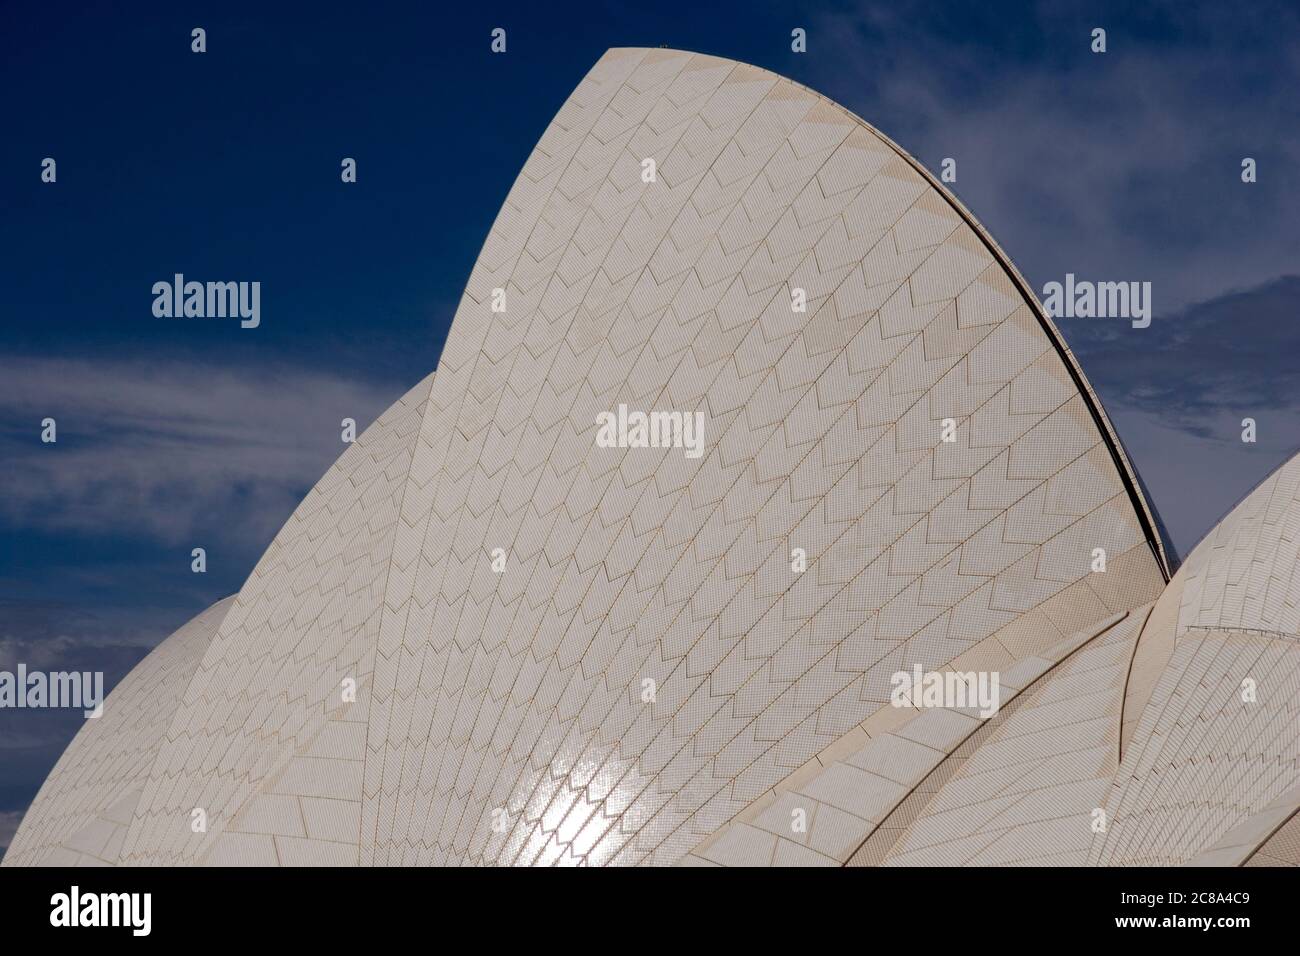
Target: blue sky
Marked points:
175	434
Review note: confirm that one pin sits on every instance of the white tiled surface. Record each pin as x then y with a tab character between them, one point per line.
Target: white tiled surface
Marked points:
263	734
83	809
1033	784
521	691
942	788
1201	761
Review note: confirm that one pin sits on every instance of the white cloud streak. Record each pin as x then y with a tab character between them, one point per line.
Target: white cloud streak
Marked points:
1124	165
173	449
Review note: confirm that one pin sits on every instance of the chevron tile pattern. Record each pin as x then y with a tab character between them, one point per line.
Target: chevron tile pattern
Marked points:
568	654
952	786
1203	760
1245	574
1282	846
265	711
1026	795
508	723
81	813
1268	837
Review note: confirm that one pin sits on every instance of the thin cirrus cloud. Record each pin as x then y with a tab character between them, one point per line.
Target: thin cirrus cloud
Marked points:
1232	355
151	457
167	449
55	635
1122	165
1180	390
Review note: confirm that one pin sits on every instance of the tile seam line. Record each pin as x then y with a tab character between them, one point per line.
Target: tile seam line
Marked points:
1023	696
604	259
1127	472
737	204
1271	833
1128	679
496	506
622	84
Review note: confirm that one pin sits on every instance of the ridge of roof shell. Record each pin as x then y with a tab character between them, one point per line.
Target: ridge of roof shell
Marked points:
521	692
80	815
1212	745
1174	725
1157	537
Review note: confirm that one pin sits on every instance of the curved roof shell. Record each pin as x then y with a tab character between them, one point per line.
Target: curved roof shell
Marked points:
1166	735
649	660
82	811
1214	756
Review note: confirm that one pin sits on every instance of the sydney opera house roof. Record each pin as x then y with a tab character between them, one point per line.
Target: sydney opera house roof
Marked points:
487	638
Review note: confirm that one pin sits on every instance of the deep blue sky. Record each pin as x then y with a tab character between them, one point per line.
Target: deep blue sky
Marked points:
225	165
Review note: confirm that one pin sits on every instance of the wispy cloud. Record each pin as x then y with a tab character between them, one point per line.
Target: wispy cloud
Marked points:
54	635
151	459
170	449
51	635
1123	165
1233	356
1179	391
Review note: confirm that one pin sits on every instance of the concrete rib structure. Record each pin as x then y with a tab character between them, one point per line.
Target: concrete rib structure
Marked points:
486	638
